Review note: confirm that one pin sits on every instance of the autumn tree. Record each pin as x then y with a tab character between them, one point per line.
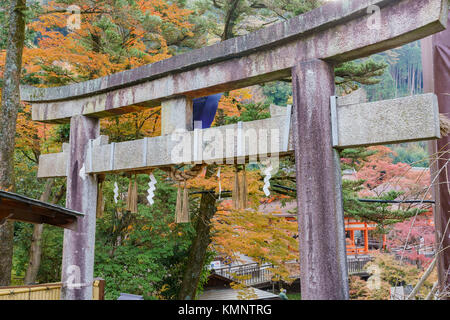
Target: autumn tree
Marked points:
379	178
233	232
239	17
113	36
10	106
32	138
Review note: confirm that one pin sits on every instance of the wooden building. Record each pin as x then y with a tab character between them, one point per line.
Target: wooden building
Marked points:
17	207
358	238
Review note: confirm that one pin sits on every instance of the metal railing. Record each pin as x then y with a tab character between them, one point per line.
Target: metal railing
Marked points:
249	274
253	274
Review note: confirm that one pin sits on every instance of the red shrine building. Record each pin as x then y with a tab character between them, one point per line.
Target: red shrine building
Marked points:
358	237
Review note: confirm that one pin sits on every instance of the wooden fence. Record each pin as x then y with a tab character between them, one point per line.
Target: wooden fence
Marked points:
357	266
47	291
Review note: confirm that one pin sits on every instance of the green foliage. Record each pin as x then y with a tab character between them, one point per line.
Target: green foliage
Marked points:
22	241
355	157
51	256
142	253
383	90
277	93
294	296
145	253
381	213
32	10
405	73
229	18
366	72
210	255
3	24
414	154
250	112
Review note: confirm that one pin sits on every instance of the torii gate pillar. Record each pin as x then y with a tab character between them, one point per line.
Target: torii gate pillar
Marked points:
79	245
323	262
436	67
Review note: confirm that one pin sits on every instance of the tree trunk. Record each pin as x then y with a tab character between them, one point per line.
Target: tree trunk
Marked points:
36	245
8	118
208	209
199	246
231	17
35	250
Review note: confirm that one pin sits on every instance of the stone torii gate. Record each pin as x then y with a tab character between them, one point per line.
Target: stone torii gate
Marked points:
306	48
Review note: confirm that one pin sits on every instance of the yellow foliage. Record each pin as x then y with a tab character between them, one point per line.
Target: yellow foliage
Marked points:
263	237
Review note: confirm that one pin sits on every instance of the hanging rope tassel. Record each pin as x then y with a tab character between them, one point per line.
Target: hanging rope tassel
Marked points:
130	188
243	190
182	206
235	192
134	202
178	208
132	196
100	197
185	211
444	124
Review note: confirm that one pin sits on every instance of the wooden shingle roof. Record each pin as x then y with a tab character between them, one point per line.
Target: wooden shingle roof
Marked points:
17	207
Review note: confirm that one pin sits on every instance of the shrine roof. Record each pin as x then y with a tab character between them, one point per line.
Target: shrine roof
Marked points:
17	207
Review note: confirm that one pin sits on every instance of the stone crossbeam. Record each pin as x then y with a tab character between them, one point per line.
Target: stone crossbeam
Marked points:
336	32
407	119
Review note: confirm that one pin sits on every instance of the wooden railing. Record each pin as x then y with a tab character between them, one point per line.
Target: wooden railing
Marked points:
47	291
420	249
249	274
357	266
352	249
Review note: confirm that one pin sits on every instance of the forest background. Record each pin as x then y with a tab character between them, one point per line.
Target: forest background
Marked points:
147	253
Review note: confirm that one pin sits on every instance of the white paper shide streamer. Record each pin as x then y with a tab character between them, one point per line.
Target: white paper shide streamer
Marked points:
220	185
116	192
267	175
151	189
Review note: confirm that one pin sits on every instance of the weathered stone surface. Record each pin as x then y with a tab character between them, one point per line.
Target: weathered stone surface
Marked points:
362	124
53	165
335	32
176	114
392	121
78	246
217	144
323	263
357	96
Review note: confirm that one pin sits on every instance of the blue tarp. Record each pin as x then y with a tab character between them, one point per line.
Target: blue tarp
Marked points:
205	109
